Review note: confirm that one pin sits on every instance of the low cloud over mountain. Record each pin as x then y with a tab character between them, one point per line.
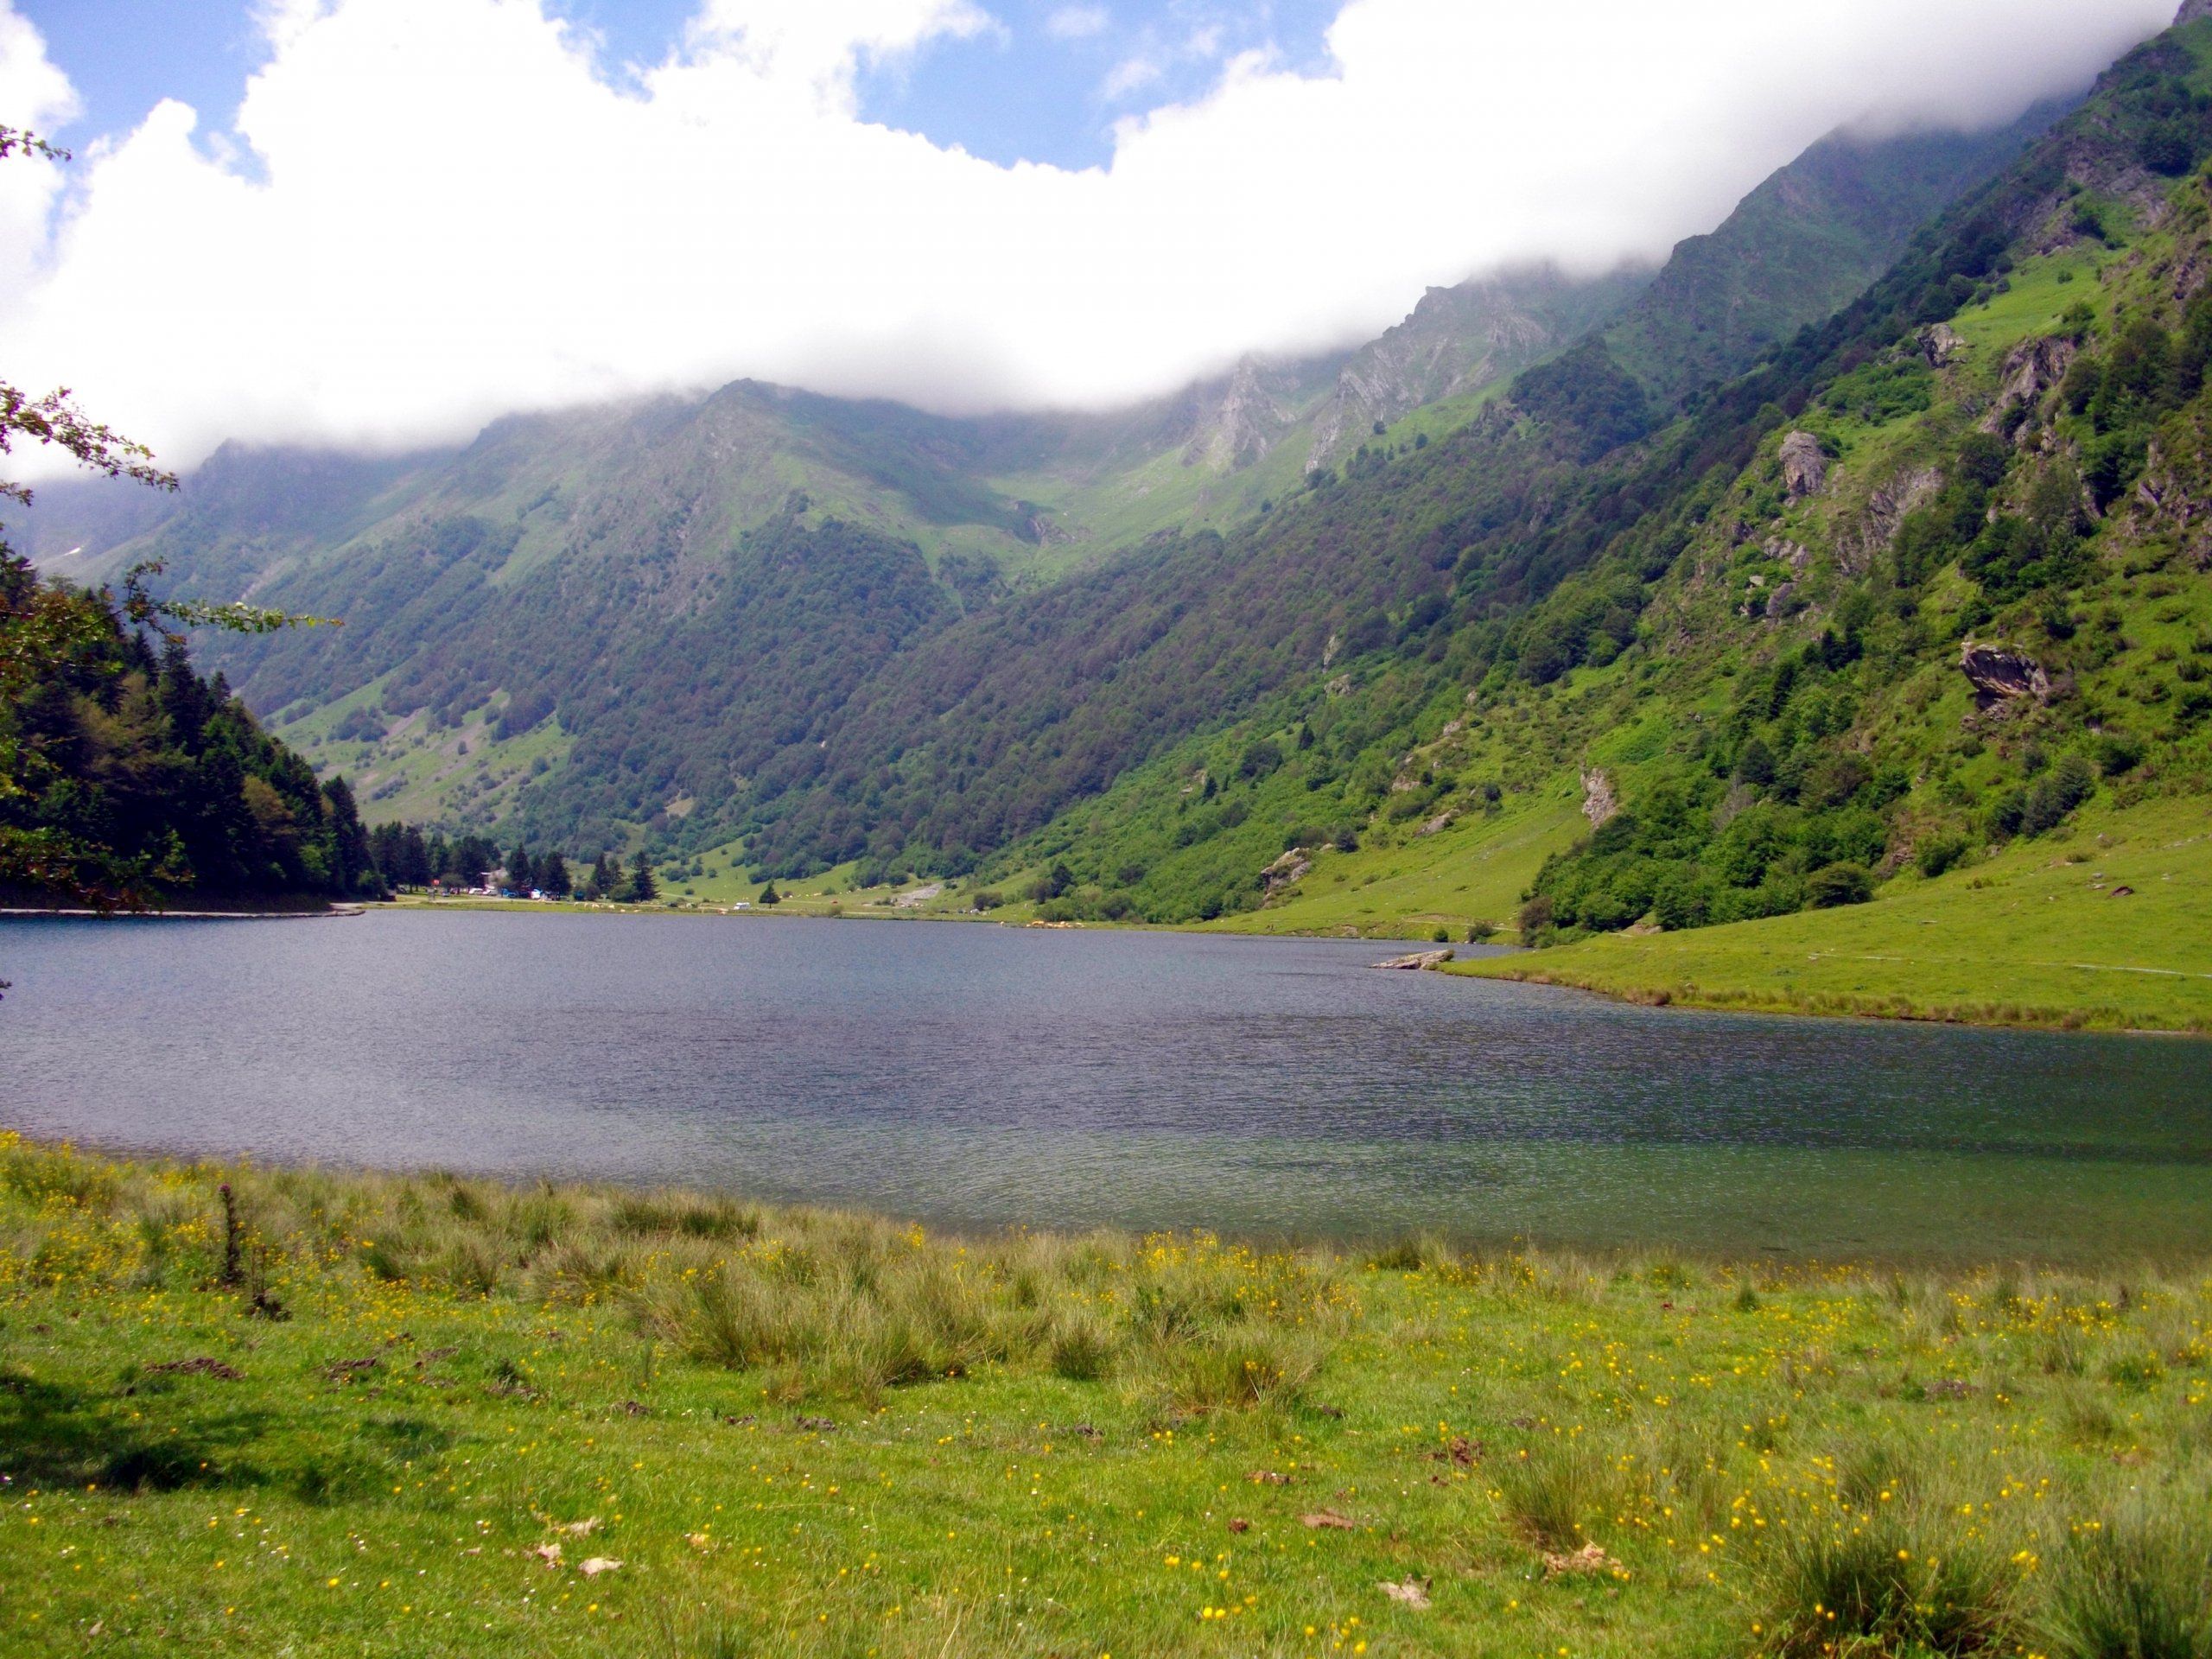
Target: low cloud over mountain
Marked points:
429	211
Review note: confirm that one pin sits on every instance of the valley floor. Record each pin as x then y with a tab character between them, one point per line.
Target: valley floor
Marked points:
258	1411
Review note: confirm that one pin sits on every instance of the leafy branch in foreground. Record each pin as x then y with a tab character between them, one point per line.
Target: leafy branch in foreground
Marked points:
13	139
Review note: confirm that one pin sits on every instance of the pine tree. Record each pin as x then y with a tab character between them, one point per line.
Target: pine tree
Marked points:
522	874
606	878
643	888
553	875
770	896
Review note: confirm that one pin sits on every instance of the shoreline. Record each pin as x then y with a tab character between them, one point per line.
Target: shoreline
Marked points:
1514	964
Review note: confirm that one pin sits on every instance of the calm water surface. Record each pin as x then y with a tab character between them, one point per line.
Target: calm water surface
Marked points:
984	1075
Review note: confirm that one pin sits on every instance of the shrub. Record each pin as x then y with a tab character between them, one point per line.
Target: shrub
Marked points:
1838	885
1941	855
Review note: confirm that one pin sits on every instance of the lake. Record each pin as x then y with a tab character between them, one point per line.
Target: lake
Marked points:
987	1076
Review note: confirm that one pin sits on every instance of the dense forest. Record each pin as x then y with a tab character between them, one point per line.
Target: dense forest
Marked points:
129	779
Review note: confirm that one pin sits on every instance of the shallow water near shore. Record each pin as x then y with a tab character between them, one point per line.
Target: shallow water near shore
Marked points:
986	1076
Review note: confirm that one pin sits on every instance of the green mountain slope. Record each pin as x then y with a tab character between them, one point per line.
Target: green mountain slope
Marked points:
1757	689
1805	243
568	630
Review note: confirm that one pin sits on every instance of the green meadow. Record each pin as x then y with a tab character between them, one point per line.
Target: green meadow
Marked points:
2107	925
261	1411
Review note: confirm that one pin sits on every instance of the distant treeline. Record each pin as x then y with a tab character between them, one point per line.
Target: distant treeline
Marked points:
406	857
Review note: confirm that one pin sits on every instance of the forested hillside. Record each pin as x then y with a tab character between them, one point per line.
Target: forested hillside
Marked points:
127	779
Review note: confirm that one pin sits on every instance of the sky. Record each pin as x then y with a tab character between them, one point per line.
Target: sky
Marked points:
382	223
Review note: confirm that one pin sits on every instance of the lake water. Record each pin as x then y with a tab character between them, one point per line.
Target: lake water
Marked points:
987	1075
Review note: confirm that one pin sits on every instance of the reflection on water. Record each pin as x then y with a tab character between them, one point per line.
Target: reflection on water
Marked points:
992	1075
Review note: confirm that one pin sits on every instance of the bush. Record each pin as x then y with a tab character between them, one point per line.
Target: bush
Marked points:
1838	885
1940	855
988	898
1685	900
2055	795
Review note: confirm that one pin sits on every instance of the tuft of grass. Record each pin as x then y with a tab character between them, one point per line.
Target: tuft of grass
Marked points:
1556	1494
1881	1587
2138	1587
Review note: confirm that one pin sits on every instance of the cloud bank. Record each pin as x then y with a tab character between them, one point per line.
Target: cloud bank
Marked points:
435	211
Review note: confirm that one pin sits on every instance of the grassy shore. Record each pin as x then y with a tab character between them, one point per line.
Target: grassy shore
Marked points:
425	1415
2108	927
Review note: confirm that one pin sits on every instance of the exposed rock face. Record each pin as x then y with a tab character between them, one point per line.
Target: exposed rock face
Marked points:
2191	11
1419	960
1940	344
1886	509
2001	676
1458	340
1239	425
1599	805
1804	468
2034	367
1291	868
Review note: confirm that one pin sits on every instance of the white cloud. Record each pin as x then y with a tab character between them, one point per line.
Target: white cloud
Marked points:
452	214
1077	23
1132	74
36	96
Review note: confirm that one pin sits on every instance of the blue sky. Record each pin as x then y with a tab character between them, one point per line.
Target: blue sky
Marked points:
1046	86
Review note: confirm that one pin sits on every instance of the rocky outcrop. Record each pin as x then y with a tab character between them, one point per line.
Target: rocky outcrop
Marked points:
1458	340
1940	344
1293	866
1238	424
2192	11
1599	805
1999	675
1416	963
1805	467
1885	510
2032	369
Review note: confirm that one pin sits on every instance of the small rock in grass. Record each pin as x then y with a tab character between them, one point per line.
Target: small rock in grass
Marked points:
1414	1593
1591	1558
1328	1519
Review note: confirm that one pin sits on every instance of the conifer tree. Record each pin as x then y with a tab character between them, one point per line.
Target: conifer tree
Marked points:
770	896
605	880
643	888
522	874
553	875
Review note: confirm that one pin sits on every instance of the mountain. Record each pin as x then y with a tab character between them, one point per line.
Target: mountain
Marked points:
1802	245
1885	616
835	630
